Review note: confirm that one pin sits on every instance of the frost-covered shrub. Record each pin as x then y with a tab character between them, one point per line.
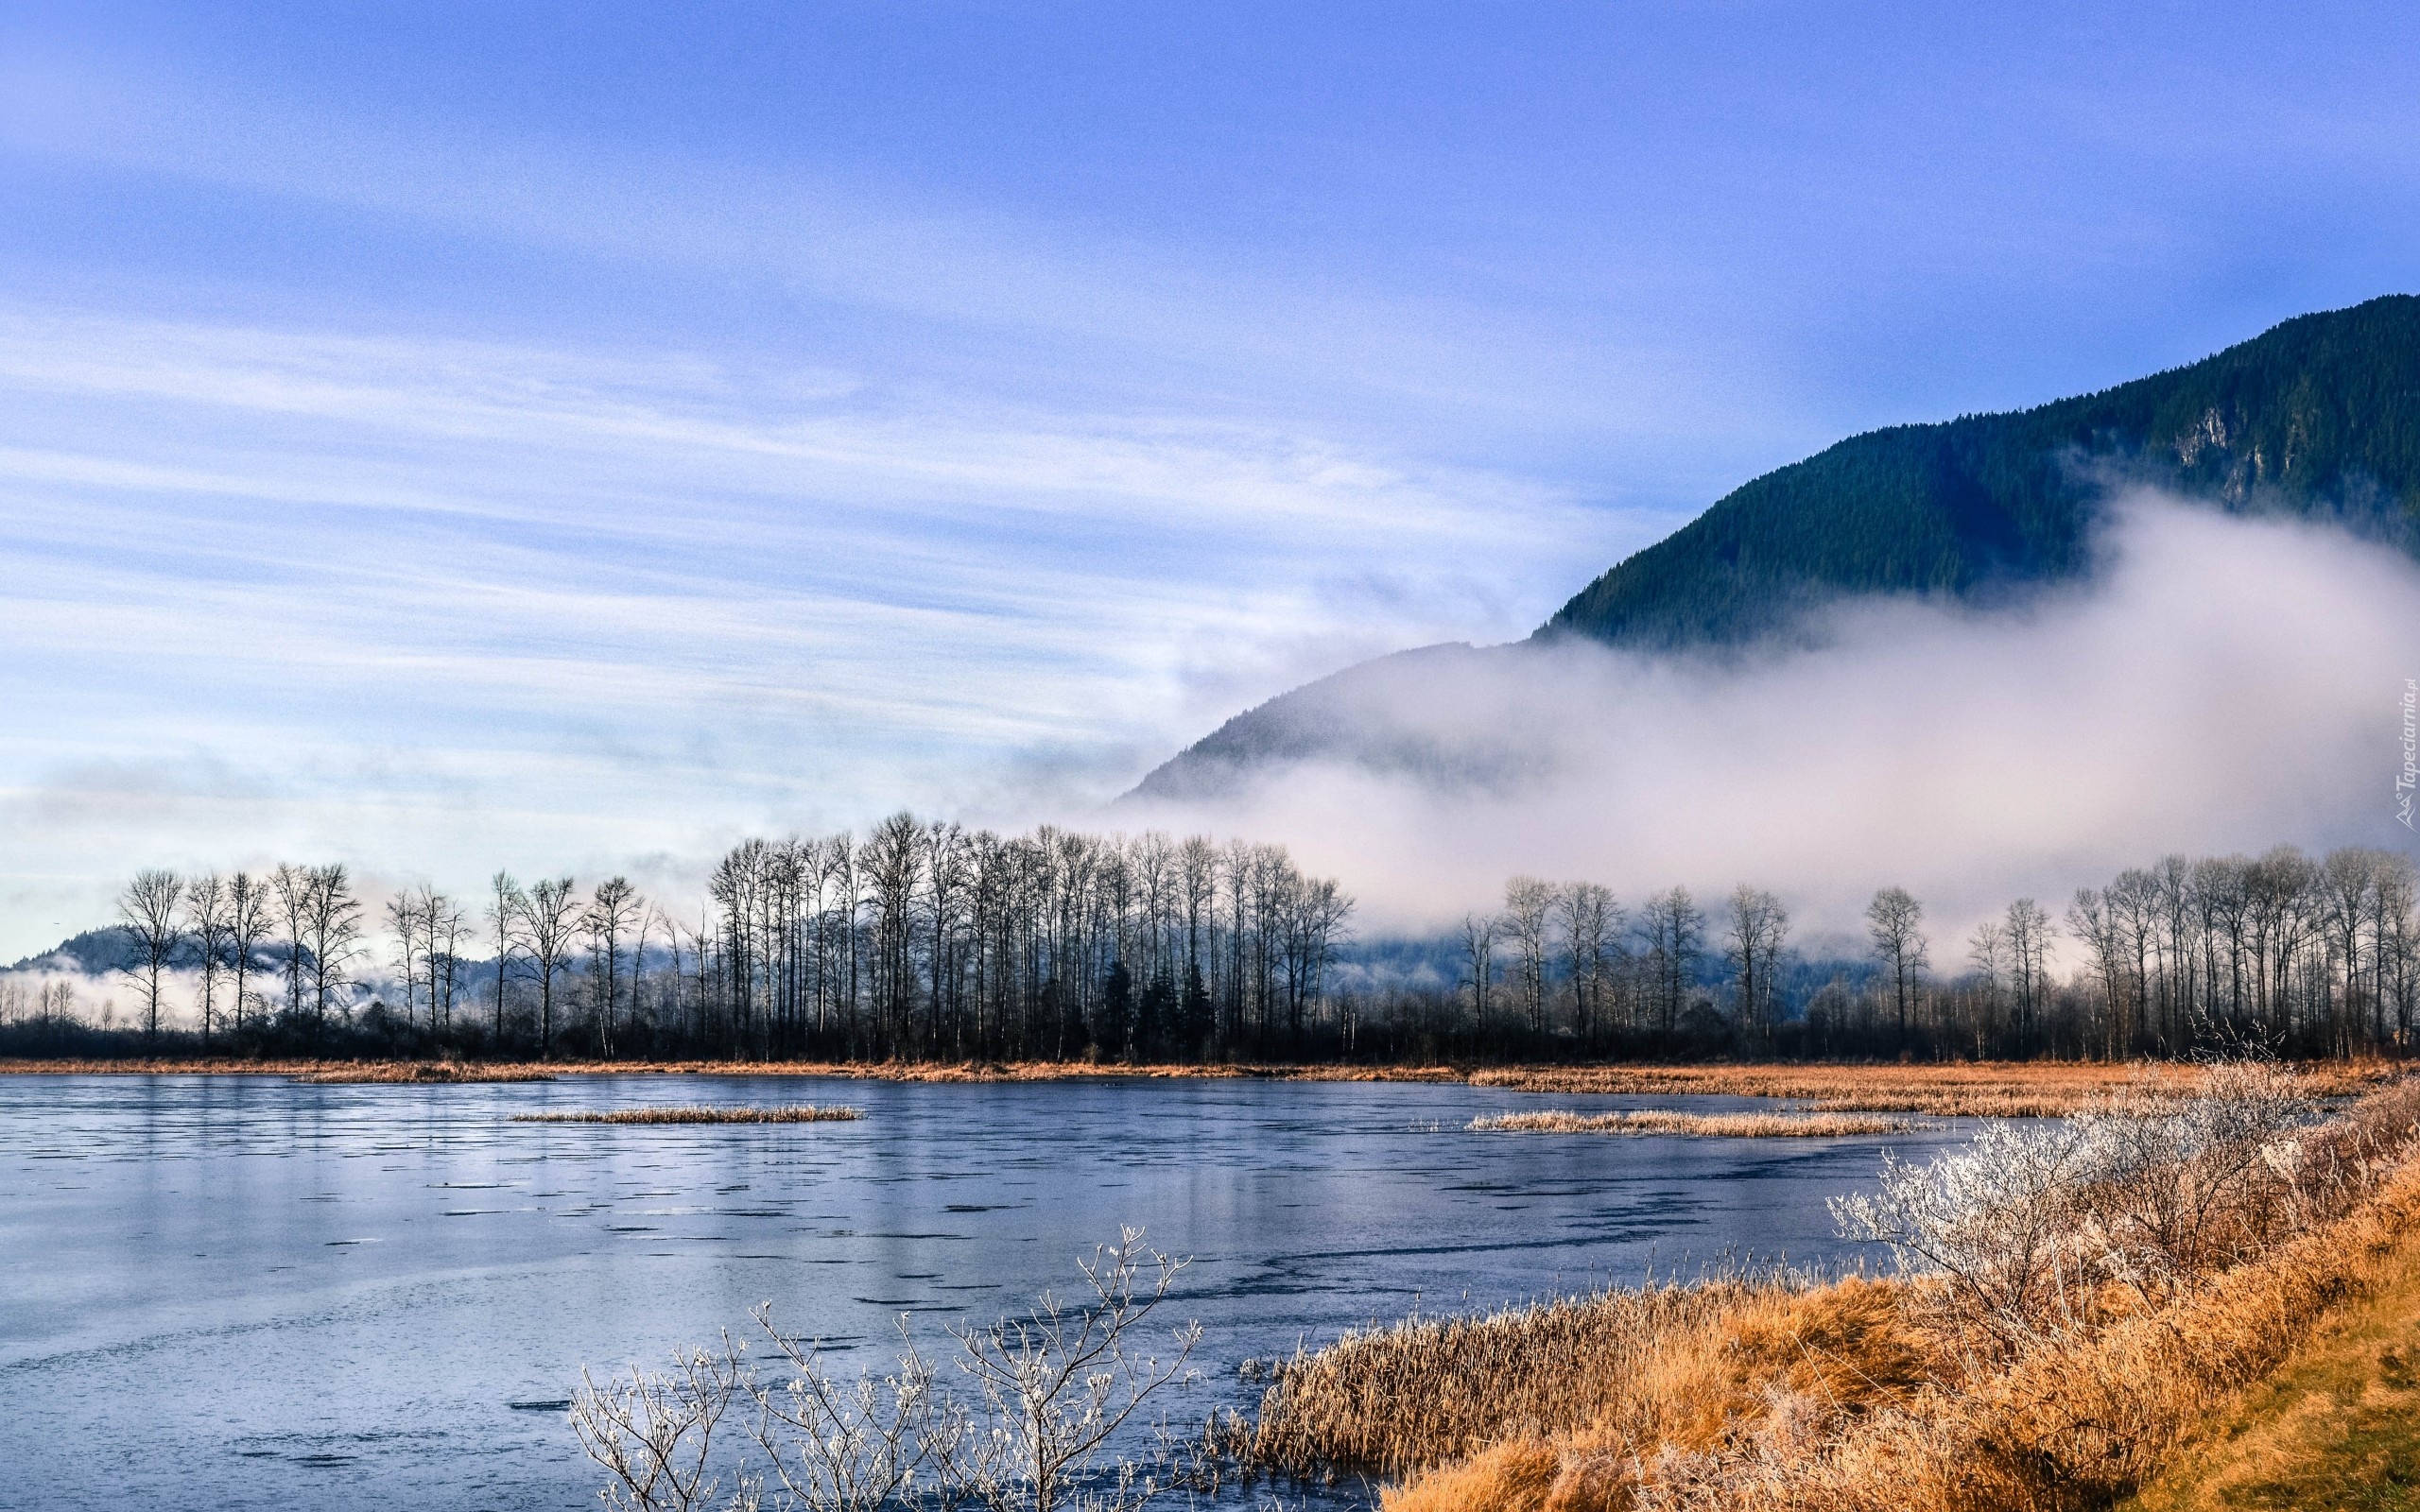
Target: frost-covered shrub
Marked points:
2148	1188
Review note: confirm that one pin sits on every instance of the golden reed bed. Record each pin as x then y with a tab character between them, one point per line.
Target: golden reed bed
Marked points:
1981	1089
807	1114
1862	1395
1715	1125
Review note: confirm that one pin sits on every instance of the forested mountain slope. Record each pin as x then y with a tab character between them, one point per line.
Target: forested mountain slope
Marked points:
2320	418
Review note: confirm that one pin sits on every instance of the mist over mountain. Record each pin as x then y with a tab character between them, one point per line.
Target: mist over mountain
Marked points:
2317	419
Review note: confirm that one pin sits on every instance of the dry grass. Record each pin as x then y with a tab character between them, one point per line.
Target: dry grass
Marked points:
421	1073
399	1071
2082	1422
1982	1088
1719	1126
2338	1426
806	1114
1667	1364
1863	1396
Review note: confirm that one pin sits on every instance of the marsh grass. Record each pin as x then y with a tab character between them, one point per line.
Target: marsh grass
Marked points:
421	1073
1425	1391
2338	1426
1719	1126
806	1114
1949	1090
2175	1289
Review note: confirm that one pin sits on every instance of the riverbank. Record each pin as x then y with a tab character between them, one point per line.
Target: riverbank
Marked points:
1963	1089
2104	1308
2337	1427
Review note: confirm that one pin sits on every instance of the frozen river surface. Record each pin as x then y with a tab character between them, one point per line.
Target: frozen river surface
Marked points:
246	1292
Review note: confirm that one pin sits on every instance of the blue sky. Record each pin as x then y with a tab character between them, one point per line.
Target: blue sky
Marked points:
572	436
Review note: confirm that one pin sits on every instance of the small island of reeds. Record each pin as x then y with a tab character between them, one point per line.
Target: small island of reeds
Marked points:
386	1073
1719	1126
806	1113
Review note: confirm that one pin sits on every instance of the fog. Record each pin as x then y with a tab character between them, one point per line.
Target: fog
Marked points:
2218	683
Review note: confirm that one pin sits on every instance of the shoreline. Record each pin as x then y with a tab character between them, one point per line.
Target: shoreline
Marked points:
1961	1089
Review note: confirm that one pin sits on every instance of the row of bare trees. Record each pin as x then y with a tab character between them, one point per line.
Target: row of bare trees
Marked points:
924	940
301	924
2286	952
919	941
2313	956
929	941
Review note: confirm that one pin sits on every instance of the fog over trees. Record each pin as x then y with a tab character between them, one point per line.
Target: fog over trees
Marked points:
925	941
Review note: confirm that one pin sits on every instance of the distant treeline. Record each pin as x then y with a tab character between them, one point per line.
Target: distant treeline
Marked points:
924	941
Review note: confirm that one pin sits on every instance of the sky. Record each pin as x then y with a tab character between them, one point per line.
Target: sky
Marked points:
571	436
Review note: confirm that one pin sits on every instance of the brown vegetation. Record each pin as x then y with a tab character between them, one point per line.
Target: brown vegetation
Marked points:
1978	1089
1654	1360
2338	1426
807	1114
2086	1325
423	1071
1720	1125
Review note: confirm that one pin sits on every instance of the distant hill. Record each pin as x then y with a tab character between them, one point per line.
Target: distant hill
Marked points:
2318	418
114	948
94	953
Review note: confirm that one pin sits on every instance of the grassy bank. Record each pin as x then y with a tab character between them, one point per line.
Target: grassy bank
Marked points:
2338	1426
2092	1318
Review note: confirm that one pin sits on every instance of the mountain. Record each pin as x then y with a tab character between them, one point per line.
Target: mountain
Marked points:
2317	418
94	953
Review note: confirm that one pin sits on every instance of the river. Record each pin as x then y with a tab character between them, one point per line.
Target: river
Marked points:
248	1293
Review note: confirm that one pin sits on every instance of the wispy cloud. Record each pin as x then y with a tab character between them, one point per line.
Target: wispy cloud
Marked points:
374	570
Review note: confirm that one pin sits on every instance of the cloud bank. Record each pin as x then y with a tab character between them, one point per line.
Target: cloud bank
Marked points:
2218	684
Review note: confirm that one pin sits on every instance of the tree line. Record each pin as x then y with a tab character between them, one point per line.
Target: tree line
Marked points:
2287	953
920	940
930	941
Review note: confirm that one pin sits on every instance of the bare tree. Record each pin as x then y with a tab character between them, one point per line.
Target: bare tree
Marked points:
148	908
2029	949
1478	963
447	924
1529	904
1987	952
291	887
1893	921
404	921
551	916
506	909
206	912
1759	926
612	910
248	904
2101	933
1590	919
332	926
1675	931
